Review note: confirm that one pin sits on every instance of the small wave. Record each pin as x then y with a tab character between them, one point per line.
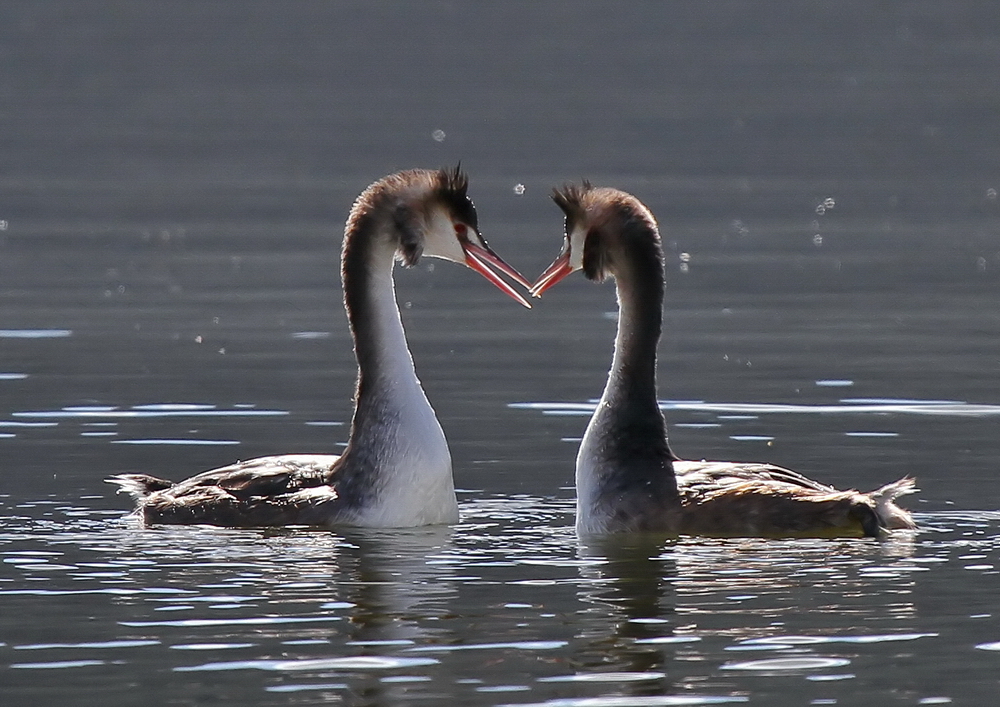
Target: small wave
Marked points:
605	677
797	663
361	662
197	442
111	412
35	333
518	645
58	664
880	406
637	701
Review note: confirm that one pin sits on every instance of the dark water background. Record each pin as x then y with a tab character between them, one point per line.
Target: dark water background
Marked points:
173	182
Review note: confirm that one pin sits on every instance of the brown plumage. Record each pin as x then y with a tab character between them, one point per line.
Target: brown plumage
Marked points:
627	477
268	491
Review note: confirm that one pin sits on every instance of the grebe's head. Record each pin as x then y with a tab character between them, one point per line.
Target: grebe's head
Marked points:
430	214
605	230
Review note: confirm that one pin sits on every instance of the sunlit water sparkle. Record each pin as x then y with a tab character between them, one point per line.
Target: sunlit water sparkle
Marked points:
622	622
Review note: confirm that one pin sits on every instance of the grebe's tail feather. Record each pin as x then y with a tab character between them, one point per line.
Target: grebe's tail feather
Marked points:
139	486
889	514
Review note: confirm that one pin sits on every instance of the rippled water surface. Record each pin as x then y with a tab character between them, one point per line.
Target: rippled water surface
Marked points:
173	185
505	608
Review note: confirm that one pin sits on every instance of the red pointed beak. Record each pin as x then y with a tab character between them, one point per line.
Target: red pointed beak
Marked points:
479	259
559	269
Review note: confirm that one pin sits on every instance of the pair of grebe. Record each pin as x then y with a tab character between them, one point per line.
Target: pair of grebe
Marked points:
396	468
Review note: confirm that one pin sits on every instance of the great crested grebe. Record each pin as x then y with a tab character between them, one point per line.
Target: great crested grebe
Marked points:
396	468
627	477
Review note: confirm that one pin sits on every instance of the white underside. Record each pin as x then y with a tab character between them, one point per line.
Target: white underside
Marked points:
415	481
416	484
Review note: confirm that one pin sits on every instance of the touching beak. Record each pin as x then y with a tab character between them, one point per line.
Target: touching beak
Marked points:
480	258
559	269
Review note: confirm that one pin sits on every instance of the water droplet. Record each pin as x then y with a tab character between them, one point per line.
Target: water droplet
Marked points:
3	222
991	194
685	257
821	209
519	189
817	240
438	135
829	203
981	264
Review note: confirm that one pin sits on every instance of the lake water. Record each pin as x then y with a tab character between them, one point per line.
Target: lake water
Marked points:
173	185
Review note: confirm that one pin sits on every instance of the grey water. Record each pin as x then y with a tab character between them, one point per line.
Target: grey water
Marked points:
174	179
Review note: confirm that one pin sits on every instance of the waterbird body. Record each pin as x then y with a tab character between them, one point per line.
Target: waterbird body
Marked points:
396	468
627	477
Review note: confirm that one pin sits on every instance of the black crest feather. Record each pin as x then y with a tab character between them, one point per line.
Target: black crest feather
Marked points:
570	200
452	189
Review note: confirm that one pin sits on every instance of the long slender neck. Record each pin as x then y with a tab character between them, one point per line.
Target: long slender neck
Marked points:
631	383
624	475
396	466
628	415
370	301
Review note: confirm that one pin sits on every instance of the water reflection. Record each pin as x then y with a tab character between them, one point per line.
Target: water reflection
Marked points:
398	586
507	602
659	612
279	601
394	594
626	587
745	590
390	593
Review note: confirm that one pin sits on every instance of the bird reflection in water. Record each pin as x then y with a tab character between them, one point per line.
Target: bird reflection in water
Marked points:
318	605
400	594
650	604
628	596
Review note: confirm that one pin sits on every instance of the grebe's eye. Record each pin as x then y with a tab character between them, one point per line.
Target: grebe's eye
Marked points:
461	231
